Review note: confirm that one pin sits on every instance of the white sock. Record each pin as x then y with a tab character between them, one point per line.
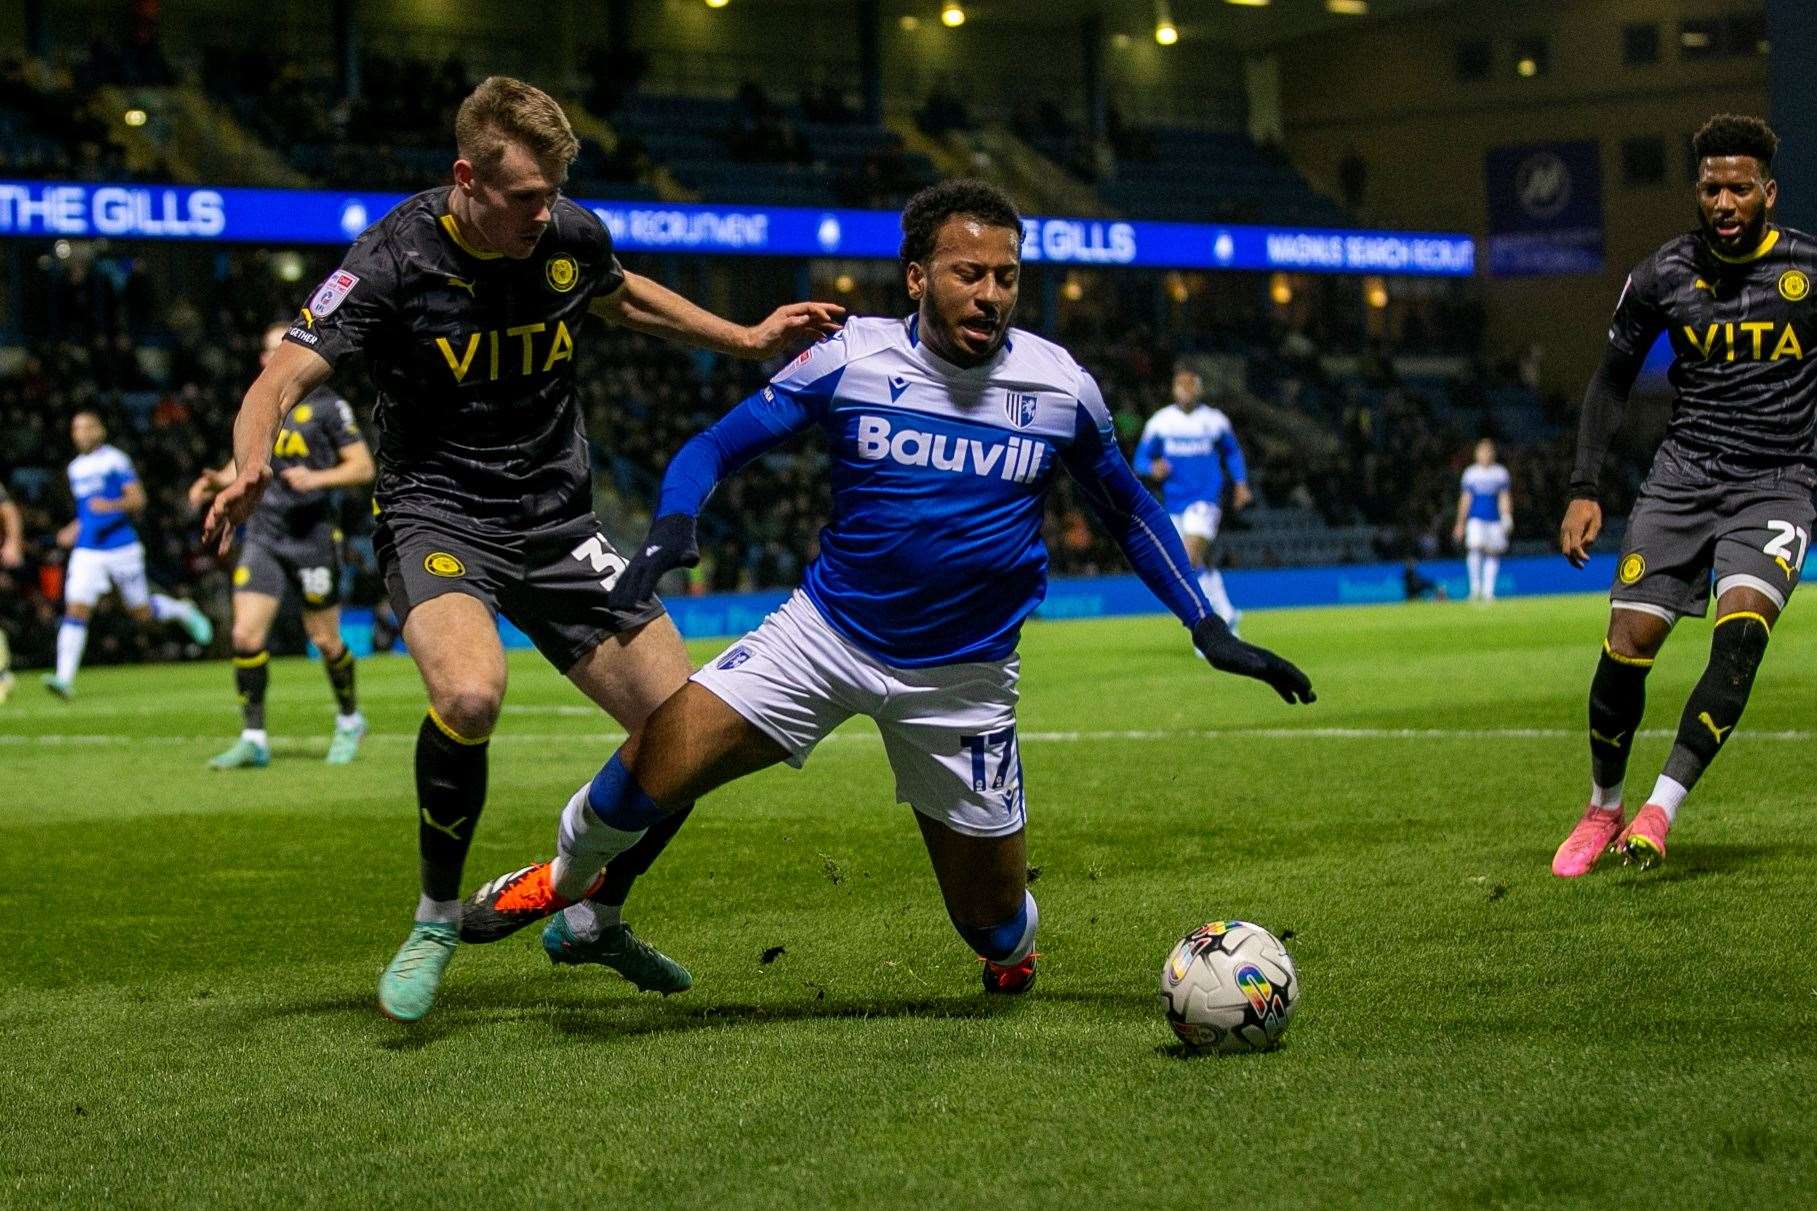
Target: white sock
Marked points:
256	735
1667	796
584	844
350	722
588	918
168	609
447	912
1492	566
1474	561
1608	798
1212	582
72	637
1026	945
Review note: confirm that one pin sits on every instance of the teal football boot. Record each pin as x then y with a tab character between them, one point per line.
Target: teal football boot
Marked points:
346	743
621	950
408	986
245	754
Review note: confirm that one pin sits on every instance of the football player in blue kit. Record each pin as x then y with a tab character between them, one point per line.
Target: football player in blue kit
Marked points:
945	429
1189	448
105	552
1485	518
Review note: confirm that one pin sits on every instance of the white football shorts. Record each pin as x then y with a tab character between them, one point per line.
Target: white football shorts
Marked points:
91	573
1489	537
1198	520
949	731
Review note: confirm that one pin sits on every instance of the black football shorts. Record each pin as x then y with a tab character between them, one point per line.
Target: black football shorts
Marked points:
311	562
1689	526
551	583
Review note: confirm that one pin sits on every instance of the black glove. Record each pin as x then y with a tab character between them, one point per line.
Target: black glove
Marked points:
669	545
1228	654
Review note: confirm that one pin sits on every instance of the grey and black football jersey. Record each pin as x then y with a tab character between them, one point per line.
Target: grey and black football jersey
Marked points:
1744	344
312	434
473	356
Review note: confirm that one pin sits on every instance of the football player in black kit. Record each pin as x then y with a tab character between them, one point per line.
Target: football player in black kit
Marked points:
1729	497
292	540
467	302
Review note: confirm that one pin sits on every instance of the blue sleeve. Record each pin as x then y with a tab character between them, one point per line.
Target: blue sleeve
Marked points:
1233	456
1146	450
1132	516
756	426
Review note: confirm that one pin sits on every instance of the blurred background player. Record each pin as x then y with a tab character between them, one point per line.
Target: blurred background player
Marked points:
105	552
12	555
467	301
1190	449
292	539
1485	518
1729	495
946	436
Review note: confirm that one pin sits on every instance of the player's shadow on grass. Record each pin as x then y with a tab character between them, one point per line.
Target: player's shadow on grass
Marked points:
1701	860
609	1013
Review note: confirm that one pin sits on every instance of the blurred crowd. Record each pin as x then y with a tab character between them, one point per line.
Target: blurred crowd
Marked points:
1359	446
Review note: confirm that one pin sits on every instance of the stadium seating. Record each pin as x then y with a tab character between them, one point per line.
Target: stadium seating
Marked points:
1188	175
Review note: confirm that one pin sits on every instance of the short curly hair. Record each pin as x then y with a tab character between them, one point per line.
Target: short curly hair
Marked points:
933	206
1737	135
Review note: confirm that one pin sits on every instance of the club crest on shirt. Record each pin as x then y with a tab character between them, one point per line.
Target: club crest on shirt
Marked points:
562	272
1794	285
332	292
1020	407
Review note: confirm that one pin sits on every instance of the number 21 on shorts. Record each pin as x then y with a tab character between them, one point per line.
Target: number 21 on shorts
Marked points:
1780	548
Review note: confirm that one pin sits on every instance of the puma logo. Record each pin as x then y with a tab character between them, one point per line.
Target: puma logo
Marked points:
1785	566
1718	732
1612	741
462	284
451	830
649	551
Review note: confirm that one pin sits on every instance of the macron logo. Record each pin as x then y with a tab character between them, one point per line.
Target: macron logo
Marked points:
898	385
1017	460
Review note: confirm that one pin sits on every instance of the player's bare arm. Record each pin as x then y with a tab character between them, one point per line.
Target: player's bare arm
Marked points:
647	306
1504	504
292	373
355	469
1463	511
211	481
131	500
1240	496
12	535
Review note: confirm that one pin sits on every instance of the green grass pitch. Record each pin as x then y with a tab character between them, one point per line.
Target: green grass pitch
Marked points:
187	959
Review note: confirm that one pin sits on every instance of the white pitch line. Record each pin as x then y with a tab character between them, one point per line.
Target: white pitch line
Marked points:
1795	735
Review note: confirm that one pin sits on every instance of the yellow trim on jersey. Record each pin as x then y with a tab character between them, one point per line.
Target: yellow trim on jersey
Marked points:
453	735
1760	618
1766	245
454	233
252	662
1639	662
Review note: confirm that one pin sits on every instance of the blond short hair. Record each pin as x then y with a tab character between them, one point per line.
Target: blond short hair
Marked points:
502	111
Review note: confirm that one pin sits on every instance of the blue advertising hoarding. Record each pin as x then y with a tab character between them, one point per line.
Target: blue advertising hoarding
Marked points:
1545	208
719	615
284	216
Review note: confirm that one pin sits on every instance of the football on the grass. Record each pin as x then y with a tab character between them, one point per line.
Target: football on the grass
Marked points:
1229	986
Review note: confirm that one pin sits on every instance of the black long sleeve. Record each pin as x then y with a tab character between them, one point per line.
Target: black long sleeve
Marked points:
1605	401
